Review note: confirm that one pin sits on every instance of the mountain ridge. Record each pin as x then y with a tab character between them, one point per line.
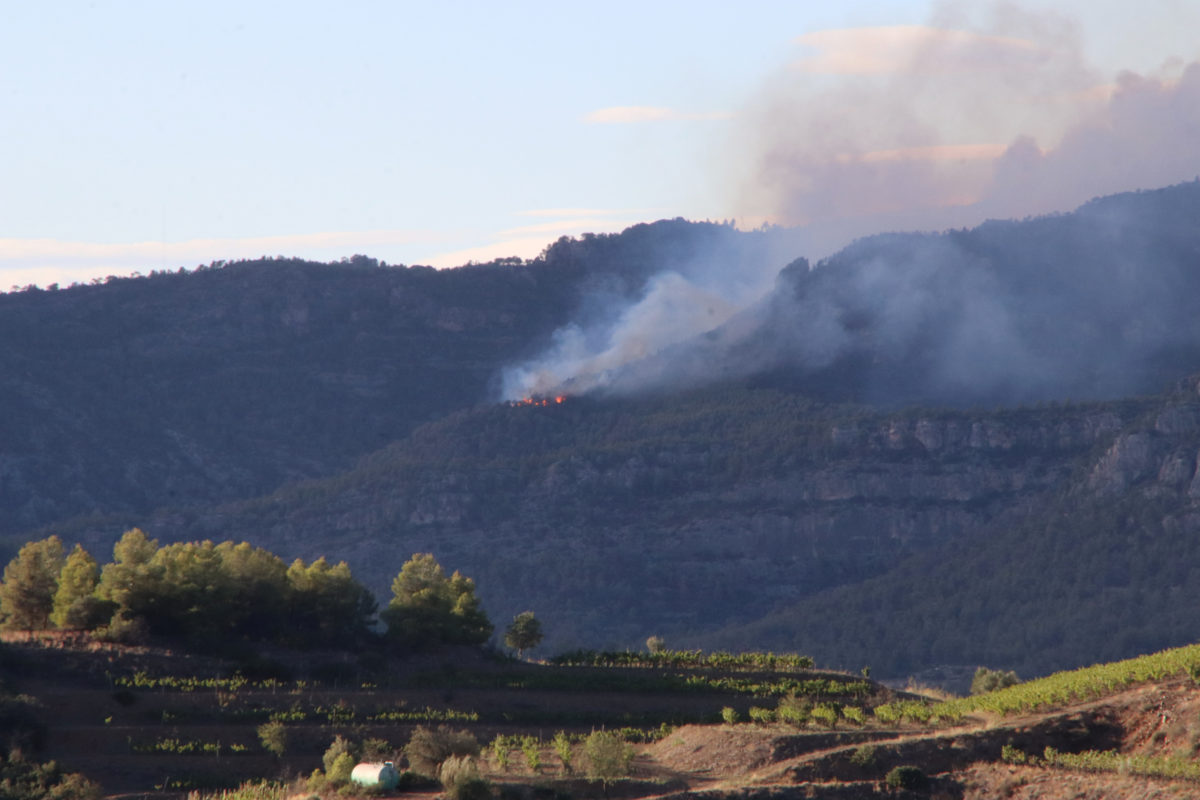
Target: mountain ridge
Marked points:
789	500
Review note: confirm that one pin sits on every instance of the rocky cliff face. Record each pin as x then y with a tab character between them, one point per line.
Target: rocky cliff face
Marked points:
1103	563
610	540
1161	459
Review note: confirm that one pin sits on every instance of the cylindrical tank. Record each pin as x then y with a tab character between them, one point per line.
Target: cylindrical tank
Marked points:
375	774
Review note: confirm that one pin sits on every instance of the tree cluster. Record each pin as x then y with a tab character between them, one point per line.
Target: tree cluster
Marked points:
206	593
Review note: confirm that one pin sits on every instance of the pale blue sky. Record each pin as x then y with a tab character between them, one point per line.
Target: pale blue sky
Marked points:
144	135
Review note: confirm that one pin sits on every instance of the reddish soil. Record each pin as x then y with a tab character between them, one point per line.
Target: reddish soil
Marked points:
93	728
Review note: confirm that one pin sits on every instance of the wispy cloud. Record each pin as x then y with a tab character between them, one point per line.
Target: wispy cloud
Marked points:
912	48
527	241
46	261
626	115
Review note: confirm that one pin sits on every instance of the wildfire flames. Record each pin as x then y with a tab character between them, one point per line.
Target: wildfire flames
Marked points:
540	401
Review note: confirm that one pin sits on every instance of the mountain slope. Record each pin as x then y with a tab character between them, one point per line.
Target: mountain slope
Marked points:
1105	567
617	520
226	382
1095	304
744	513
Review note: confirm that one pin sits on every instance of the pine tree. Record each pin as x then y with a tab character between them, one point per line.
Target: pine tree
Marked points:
428	607
524	633
76	606
30	582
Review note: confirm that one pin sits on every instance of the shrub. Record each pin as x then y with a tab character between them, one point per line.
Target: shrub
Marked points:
562	747
274	737
826	713
1013	755
461	780
763	716
863	756
730	715
428	749
532	749
886	713
378	750
500	747
26	780
124	629
609	757
793	710
337	747
989	680
906	777
854	714
339	772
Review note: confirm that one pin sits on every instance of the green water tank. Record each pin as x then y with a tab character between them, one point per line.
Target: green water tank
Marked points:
376	774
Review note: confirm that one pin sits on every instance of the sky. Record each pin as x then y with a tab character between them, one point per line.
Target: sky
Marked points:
145	135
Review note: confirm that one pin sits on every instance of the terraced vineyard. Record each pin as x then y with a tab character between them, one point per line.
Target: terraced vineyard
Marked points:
152	723
1088	683
173	723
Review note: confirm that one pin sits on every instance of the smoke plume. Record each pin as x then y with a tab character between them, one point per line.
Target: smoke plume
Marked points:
934	128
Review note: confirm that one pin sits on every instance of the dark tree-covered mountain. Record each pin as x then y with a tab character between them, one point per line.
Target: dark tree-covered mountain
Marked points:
1095	304
888	539
844	468
226	382
1106	565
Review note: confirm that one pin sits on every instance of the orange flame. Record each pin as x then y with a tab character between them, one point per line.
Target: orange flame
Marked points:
539	401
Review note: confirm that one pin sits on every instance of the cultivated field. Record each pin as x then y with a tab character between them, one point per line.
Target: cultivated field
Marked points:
142	721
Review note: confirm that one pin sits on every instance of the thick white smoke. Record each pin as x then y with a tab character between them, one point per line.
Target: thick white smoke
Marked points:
673	309
915	128
946	125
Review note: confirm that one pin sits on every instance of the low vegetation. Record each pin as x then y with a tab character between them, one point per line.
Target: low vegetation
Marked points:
892	739
369	701
658	656
1087	683
22	779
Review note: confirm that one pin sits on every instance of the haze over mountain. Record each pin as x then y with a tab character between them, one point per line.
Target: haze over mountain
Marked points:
731	451
1094	304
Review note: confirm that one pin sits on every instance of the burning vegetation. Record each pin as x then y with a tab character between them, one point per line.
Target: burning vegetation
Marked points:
557	400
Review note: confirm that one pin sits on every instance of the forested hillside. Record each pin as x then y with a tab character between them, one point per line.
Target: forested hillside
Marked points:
977	446
1103	567
193	388
1096	304
678	515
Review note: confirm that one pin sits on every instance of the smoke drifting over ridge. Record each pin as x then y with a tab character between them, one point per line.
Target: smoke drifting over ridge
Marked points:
929	128
946	125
